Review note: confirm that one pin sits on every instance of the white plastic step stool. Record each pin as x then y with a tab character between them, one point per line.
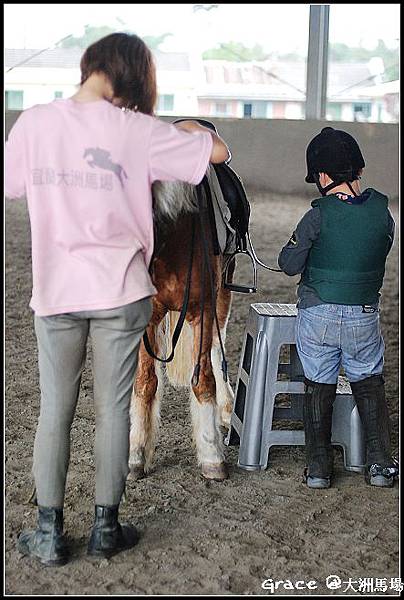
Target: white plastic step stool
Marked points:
269	327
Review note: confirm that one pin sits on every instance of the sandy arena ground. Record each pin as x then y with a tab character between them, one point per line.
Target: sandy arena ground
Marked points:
198	537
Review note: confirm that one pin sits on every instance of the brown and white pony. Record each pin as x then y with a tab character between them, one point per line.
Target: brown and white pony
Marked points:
211	398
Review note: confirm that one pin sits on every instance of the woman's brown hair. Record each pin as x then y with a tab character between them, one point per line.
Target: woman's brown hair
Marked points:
128	63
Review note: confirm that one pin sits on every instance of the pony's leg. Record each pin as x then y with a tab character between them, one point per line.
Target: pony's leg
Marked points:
207	435
224	392
145	403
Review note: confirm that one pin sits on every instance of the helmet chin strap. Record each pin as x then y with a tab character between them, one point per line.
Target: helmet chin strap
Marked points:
351	188
323	190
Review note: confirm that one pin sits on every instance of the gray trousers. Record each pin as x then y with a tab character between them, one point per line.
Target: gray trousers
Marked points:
116	335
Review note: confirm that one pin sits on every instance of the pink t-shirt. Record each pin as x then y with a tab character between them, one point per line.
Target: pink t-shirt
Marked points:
86	170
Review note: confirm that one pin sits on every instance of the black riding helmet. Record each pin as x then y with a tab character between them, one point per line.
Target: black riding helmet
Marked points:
333	151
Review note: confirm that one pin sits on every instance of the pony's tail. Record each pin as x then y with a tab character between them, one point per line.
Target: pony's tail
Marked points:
179	370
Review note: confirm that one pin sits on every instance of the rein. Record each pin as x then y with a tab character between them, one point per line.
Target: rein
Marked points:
203	208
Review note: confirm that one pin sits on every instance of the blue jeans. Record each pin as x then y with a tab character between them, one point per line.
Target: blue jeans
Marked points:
329	336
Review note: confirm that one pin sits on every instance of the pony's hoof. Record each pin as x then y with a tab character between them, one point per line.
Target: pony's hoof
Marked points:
215	472
137	472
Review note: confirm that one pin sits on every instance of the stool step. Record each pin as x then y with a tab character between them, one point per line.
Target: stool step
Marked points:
271	326
274	310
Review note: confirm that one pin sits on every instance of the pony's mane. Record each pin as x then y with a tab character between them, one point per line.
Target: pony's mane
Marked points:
171	198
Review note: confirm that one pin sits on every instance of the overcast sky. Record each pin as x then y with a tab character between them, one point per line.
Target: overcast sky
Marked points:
277	27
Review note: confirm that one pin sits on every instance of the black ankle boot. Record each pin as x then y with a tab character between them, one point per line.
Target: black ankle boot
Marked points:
370	399
317	420
46	543
108	537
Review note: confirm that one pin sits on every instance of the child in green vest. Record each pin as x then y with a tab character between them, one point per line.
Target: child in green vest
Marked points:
340	247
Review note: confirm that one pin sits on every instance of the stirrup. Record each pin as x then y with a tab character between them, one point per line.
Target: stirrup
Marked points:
240	288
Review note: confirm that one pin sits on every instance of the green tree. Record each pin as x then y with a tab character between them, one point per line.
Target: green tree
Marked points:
235	51
343	53
154	41
206	7
92	34
339	52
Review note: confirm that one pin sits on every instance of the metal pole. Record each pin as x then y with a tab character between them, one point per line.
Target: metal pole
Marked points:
317	59
41	51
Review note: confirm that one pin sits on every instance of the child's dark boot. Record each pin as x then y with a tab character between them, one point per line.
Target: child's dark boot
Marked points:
317	420
369	394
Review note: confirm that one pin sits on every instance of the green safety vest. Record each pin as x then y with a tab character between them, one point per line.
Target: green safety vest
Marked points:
347	261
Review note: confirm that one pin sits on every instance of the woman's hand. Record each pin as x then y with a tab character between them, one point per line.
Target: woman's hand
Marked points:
220	152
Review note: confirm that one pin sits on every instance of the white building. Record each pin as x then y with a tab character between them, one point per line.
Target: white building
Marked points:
213	88
276	89
55	73
52	74
386	100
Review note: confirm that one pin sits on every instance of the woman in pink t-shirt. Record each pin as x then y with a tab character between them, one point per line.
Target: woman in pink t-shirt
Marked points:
86	167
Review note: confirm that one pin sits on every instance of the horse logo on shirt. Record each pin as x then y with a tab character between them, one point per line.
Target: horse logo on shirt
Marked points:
97	157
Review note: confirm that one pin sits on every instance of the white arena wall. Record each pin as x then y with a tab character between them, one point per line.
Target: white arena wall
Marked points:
269	154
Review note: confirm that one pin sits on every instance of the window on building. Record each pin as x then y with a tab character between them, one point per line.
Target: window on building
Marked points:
362	110
221	108
14	100
256	109
58	94
247	111
165	102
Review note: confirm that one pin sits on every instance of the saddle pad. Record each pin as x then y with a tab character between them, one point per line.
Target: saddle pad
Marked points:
235	196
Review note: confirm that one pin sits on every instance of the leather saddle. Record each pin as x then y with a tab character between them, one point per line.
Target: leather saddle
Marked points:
233	191
236	199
